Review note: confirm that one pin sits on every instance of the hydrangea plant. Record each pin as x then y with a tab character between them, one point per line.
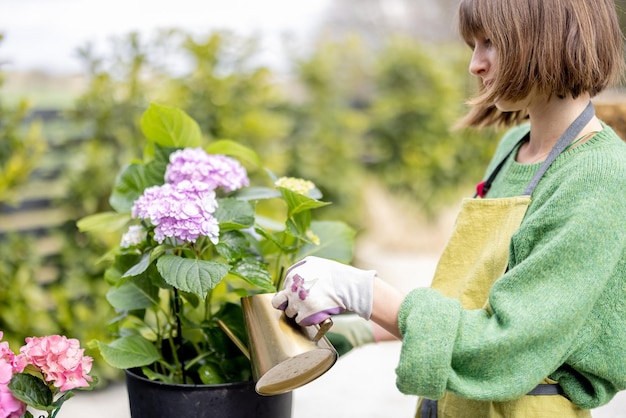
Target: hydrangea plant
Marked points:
196	237
42	376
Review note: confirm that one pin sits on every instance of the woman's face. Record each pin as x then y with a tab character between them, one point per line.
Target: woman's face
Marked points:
484	59
484	64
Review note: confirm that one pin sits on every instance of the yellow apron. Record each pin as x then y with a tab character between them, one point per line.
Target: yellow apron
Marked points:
476	255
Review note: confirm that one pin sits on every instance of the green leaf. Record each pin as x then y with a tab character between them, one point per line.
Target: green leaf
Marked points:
254	272
59	402
170	127
233	245
232	316
234	149
190	275
269	224
140	267
234	214
336	241
297	203
129	185
122	263
103	222
193	299
155	169
31	390
128	352
257	193
210	374
133	180
139	293
298	224
159	377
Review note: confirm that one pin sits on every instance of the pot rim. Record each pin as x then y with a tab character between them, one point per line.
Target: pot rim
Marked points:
135	375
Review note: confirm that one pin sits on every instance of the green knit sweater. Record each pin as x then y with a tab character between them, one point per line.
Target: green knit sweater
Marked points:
559	310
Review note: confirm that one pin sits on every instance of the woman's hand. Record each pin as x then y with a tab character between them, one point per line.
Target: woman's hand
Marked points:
316	288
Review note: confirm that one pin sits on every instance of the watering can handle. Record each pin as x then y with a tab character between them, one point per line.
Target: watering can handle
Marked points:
323	329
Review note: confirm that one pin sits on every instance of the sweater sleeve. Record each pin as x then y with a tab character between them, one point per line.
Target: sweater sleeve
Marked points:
429	323
543	313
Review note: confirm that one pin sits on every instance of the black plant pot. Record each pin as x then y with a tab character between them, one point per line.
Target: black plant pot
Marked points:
150	399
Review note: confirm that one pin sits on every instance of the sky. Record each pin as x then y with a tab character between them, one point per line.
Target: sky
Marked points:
44	34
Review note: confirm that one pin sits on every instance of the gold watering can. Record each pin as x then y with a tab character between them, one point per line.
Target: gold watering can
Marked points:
284	355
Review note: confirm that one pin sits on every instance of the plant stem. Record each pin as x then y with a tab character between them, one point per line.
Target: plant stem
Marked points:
179	334
281	279
207	306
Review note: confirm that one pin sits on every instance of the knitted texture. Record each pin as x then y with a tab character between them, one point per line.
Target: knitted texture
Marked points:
559	310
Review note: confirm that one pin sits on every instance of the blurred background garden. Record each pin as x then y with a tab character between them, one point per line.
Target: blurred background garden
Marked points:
358	96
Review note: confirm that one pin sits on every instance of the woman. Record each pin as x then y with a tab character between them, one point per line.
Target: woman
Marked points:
526	316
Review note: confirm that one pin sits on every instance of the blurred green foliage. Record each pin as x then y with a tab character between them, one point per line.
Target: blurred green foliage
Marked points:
419	93
330	119
344	116
21	147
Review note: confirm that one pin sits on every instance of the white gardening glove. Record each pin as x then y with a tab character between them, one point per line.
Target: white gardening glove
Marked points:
316	288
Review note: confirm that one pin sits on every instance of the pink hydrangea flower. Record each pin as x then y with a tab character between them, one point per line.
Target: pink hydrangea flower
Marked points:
195	164
183	211
10	407
60	360
7	358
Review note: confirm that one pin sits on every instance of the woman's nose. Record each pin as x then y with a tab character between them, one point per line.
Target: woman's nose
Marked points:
479	65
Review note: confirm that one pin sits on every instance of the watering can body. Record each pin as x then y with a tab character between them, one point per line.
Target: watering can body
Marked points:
284	355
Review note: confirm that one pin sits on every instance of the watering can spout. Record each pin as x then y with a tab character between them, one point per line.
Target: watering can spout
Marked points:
284	356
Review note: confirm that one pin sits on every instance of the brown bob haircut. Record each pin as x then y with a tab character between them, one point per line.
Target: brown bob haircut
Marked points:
559	47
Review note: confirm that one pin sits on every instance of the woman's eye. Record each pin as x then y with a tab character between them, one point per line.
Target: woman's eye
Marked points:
479	43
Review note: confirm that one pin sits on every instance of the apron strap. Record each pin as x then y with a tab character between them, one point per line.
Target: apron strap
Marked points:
429	408
483	187
568	136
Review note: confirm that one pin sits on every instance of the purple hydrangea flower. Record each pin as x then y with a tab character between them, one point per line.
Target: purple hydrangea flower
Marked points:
183	211
195	164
